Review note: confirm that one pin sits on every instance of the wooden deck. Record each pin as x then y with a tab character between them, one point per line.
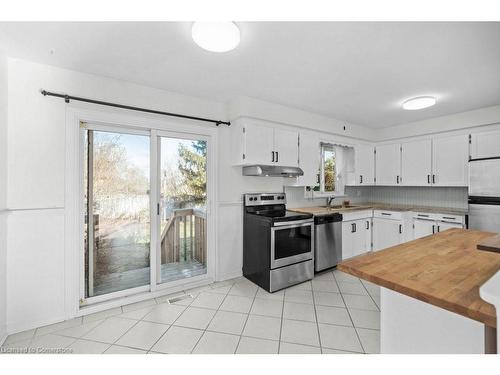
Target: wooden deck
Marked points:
130	279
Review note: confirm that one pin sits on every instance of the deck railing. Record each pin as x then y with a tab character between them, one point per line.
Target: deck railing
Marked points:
183	237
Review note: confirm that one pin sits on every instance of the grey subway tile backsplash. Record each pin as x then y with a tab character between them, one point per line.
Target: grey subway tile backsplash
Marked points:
445	197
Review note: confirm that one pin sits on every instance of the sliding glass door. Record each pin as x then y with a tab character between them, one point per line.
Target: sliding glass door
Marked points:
117	220
183	201
123	253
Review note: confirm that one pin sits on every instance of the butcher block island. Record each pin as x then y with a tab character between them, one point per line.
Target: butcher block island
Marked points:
430	299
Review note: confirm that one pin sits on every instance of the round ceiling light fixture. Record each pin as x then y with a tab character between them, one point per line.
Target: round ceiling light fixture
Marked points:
216	36
420	102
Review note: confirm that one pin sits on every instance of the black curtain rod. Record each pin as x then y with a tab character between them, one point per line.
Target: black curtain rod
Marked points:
67	98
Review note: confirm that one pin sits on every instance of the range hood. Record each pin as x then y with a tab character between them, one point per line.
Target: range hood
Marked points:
271	171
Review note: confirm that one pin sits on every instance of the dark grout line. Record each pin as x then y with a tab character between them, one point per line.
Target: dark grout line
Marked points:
350	317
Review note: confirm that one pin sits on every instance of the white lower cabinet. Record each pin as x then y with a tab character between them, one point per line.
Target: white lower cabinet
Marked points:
386	233
442	226
425	224
356	237
423	227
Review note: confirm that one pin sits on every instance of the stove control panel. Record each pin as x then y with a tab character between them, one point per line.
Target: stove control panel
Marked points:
260	199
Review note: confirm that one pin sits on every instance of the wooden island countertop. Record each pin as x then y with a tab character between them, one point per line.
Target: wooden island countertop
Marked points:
445	270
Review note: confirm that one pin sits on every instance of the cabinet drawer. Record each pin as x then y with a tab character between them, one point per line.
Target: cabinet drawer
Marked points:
395	215
357	215
451	218
425	216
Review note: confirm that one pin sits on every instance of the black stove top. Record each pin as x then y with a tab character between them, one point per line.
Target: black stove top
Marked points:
277	213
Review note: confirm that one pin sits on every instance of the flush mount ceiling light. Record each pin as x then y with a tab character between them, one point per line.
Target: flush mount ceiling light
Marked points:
216	36
419	102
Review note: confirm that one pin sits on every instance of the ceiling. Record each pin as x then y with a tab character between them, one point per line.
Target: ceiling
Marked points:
357	72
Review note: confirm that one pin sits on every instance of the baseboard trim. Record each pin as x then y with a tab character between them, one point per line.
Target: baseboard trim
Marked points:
228	276
16	327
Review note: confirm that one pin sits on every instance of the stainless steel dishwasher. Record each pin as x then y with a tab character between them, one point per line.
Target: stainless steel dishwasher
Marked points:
327	241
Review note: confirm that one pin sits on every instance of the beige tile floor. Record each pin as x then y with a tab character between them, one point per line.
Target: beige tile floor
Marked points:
334	313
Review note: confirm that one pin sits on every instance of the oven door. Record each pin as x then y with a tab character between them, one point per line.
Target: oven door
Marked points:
291	242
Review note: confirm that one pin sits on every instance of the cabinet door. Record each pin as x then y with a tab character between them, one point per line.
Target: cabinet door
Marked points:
388	164
258	144
286	145
416	163
485	145
309	158
347	239
386	233
442	226
450	157
422	228
362	237
364	165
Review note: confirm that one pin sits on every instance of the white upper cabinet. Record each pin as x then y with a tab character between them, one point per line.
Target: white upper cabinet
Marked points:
450	156
416	163
485	145
257	143
388	164
286	147
364	165
309	159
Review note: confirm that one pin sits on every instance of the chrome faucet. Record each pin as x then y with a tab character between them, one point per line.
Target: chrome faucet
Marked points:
329	200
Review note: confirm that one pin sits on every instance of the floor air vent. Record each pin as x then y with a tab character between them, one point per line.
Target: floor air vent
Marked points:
179	298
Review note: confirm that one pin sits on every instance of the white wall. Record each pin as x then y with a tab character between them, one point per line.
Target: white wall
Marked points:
36	177
258	109
458	122
3	195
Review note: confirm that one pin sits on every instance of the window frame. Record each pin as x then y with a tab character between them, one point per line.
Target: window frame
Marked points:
321	183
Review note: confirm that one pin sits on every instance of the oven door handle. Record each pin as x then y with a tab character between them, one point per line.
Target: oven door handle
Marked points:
291	224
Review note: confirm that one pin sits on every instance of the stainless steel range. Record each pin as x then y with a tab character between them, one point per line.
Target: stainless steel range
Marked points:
278	245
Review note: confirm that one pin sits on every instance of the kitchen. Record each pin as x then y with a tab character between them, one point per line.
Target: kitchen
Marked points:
236	213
